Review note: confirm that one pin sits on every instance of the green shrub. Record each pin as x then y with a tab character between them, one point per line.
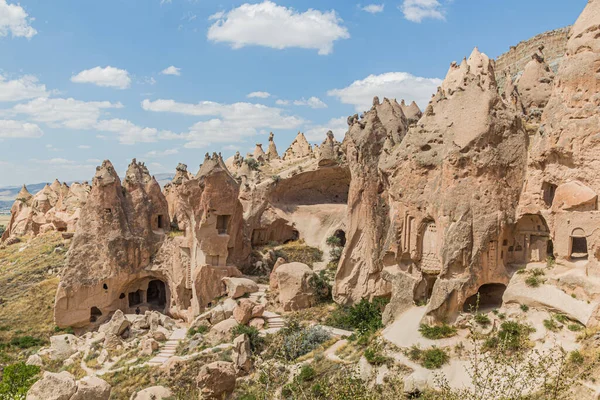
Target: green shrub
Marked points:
334	241
375	356
200	329
335	253
363	317
25	342
252	163
414	353
17	379
551	325
533	281
2	229
562	318
513	335
276	178
256	341
434	358
307	374
576	357
322	287
437	331
298	341
575	327
482	319
524	307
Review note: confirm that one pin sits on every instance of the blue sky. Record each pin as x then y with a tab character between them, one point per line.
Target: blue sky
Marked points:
167	81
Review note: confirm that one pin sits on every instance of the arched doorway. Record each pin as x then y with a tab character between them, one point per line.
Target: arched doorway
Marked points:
490	297
95	313
156	296
579	247
341	235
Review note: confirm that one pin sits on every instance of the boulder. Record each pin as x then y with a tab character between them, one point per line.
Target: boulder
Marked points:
60	386
149	346
273	277
92	388
295	289
36	360
237	287
244	310
63	346
242	355
117	325
258	310
159	336
152	393
222	330
257	323
216	380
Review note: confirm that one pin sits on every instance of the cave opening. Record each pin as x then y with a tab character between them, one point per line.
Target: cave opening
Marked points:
341	235
490	297
95	313
424	290
157	293
136	298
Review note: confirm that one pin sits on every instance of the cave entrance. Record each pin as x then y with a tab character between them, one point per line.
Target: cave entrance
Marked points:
95	313
136	298
548	190
579	247
223	224
490	297
157	294
424	289
341	235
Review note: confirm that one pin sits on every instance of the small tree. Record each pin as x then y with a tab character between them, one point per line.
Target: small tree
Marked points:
17	379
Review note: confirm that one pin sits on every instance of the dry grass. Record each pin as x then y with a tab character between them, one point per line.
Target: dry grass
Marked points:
28	290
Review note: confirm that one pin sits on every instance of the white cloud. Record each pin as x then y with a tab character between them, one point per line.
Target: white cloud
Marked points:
316	133
165	2
24	88
158	154
128	132
172	70
260	95
395	85
313	102
93	161
15	21
418	10
373	8
64	113
84	147
106	77
82	115
270	25
10	129
235	122
281	102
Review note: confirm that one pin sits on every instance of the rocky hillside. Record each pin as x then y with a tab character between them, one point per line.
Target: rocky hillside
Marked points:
452	253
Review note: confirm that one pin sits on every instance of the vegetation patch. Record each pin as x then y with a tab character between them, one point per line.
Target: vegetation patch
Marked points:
363	317
433	358
436	332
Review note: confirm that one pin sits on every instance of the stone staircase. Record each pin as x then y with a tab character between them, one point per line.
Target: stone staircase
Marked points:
259	297
274	322
169	348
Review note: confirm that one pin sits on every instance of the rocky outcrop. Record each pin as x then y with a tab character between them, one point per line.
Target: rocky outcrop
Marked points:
535	86
56	207
63	386
272	153
296	289
359	270
216	380
300	148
